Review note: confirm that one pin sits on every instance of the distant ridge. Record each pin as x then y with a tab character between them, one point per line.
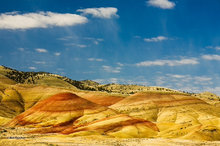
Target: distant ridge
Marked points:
45	78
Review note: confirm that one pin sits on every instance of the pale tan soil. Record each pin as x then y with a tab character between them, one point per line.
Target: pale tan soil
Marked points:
17	137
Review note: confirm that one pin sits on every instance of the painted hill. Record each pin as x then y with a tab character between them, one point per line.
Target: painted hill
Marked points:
50	103
176	115
68	113
101	98
57	110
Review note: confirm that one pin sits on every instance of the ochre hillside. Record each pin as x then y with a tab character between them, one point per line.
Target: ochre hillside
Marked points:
49	103
176	115
68	113
56	110
101	98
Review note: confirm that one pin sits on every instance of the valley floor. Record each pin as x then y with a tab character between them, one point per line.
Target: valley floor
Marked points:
17	137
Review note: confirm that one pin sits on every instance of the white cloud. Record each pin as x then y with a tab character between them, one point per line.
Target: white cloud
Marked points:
39	20
81	46
211	57
163	4
135	81
39	62
215	90
176	76
137	37
190	61
77	45
103	12
120	64
57	53
189	78
111	69
187	82
66	38
211	47
21	49
217	47
95	59
95	40
76	59
32	68
155	39
41	50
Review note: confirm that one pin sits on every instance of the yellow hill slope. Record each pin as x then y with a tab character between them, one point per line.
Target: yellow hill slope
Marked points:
177	116
68	113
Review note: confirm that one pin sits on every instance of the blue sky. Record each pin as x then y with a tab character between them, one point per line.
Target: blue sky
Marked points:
169	43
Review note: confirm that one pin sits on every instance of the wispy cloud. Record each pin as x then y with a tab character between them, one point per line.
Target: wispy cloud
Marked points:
57	53
120	64
215	90
32	68
77	45
96	41
66	38
212	47
111	69
39	20
189	61
184	82
103	12
163	4
155	39
136	81
211	57
21	49
95	59
41	50
189	78
39	62
81	46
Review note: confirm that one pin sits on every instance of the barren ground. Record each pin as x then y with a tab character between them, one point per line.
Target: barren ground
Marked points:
17	137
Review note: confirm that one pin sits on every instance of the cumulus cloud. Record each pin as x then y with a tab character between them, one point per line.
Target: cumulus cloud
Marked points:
155	39
190	61
163	4
41	50
103	12
95	59
211	57
111	69
39	20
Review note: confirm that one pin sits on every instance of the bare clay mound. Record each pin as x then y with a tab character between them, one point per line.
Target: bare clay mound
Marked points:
176	115
68	113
